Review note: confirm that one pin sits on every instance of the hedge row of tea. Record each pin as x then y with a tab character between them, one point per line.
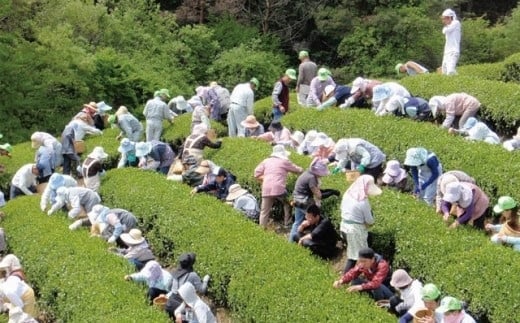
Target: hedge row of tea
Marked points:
75	277
499	100
403	223
257	274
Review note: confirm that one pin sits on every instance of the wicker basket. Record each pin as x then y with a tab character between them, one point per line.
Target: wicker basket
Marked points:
212	134
352	175
79	146
422	313
160	302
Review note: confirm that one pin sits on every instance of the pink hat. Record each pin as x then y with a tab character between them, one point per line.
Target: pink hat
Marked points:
393	172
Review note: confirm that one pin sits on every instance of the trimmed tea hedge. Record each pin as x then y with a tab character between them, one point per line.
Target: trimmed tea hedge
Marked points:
76	278
499	100
257	274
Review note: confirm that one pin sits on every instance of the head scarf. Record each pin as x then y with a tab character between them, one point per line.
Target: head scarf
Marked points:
152	271
359	190
186	261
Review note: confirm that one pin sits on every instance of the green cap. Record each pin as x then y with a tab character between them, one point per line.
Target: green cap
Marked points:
7	147
449	303
112	119
504	203
164	92
323	74
303	53
291	72
255	81
398	68
430	292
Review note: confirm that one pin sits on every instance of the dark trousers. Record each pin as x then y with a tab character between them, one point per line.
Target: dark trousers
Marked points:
69	161
317	248
154	292
382	292
15	191
375	172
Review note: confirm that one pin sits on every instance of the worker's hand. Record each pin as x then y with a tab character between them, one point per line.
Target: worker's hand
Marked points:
127	277
454	225
337	284
488	227
193	191
336	170
282	108
50	212
112	239
118	137
355	288
446	216
361	169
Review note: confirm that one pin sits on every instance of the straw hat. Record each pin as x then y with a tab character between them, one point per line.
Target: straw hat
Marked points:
235	191
203	168
250	122
91	106
133	237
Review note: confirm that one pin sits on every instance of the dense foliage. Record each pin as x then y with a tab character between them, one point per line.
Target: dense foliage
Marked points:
60	54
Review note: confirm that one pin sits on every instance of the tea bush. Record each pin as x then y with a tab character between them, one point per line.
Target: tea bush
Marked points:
76	279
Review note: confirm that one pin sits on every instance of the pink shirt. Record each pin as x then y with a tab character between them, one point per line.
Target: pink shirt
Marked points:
457	103
282	137
274	171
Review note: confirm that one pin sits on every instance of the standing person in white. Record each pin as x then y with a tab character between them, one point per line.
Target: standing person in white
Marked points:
452	32
242	99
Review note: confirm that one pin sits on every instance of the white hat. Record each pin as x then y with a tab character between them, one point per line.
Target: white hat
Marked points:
436	103
311	135
416	156
328	90
341	149
143	148
453	192
10	262
180	103
102	106
133	237
195	101
298	136
358	84
393	168
449	13
126	145
98	153
280	152
235	191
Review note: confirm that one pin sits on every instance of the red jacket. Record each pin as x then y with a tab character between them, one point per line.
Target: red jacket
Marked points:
375	276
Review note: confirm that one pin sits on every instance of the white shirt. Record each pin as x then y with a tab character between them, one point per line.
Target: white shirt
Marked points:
24	178
356	211
13	288
452	33
243	96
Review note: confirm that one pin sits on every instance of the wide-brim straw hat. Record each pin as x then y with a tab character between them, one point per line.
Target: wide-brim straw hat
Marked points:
235	191
250	122
135	236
